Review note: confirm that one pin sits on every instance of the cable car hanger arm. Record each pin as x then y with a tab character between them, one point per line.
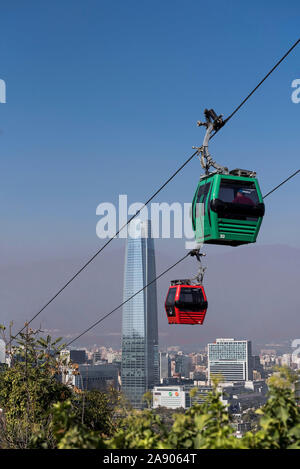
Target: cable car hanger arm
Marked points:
198	279
213	122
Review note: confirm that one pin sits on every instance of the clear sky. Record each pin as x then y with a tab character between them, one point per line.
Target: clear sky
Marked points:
103	99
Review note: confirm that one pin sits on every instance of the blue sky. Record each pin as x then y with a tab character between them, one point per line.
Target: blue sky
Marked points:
103	99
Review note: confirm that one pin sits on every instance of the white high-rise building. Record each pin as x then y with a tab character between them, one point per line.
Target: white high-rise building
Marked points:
230	359
286	359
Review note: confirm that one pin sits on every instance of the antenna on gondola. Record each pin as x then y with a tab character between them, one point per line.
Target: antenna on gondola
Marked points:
200	275
198	279
213	122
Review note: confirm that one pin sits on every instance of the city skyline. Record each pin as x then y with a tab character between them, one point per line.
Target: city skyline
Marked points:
194	369
144	142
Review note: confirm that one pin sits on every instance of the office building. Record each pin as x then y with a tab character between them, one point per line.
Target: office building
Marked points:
174	397
171	397
2	351
239	397
97	357
164	366
78	356
230	360
140	362
97	377
258	369
182	365
200	393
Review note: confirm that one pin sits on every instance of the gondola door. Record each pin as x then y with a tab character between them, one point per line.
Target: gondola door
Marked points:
201	213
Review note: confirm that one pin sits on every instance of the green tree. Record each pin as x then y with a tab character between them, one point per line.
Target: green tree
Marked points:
203	426
97	410
40	412
27	391
69	432
148	398
139	430
279	417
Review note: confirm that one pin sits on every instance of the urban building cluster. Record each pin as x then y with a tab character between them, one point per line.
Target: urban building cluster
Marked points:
241	376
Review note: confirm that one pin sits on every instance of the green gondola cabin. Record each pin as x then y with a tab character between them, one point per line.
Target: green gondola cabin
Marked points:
227	209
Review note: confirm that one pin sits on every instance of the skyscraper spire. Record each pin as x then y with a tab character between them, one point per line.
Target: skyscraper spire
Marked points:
140	365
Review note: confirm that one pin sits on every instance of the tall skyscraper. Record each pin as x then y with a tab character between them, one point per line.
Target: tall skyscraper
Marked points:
2	351
182	365
231	359
164	366
140	365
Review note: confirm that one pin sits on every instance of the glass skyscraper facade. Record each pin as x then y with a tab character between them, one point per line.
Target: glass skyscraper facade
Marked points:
164	366
140	362
2	351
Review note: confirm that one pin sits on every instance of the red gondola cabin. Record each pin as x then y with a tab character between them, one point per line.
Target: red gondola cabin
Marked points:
186	304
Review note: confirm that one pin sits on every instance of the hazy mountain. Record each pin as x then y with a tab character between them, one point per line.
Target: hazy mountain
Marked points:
252	293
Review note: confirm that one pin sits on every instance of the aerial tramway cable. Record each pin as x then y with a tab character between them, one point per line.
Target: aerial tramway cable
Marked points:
154	195
160	275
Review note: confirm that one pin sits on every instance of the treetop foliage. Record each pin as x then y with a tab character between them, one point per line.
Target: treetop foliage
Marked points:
39	411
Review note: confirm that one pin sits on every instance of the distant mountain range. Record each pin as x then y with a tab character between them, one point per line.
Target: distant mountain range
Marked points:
253	292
